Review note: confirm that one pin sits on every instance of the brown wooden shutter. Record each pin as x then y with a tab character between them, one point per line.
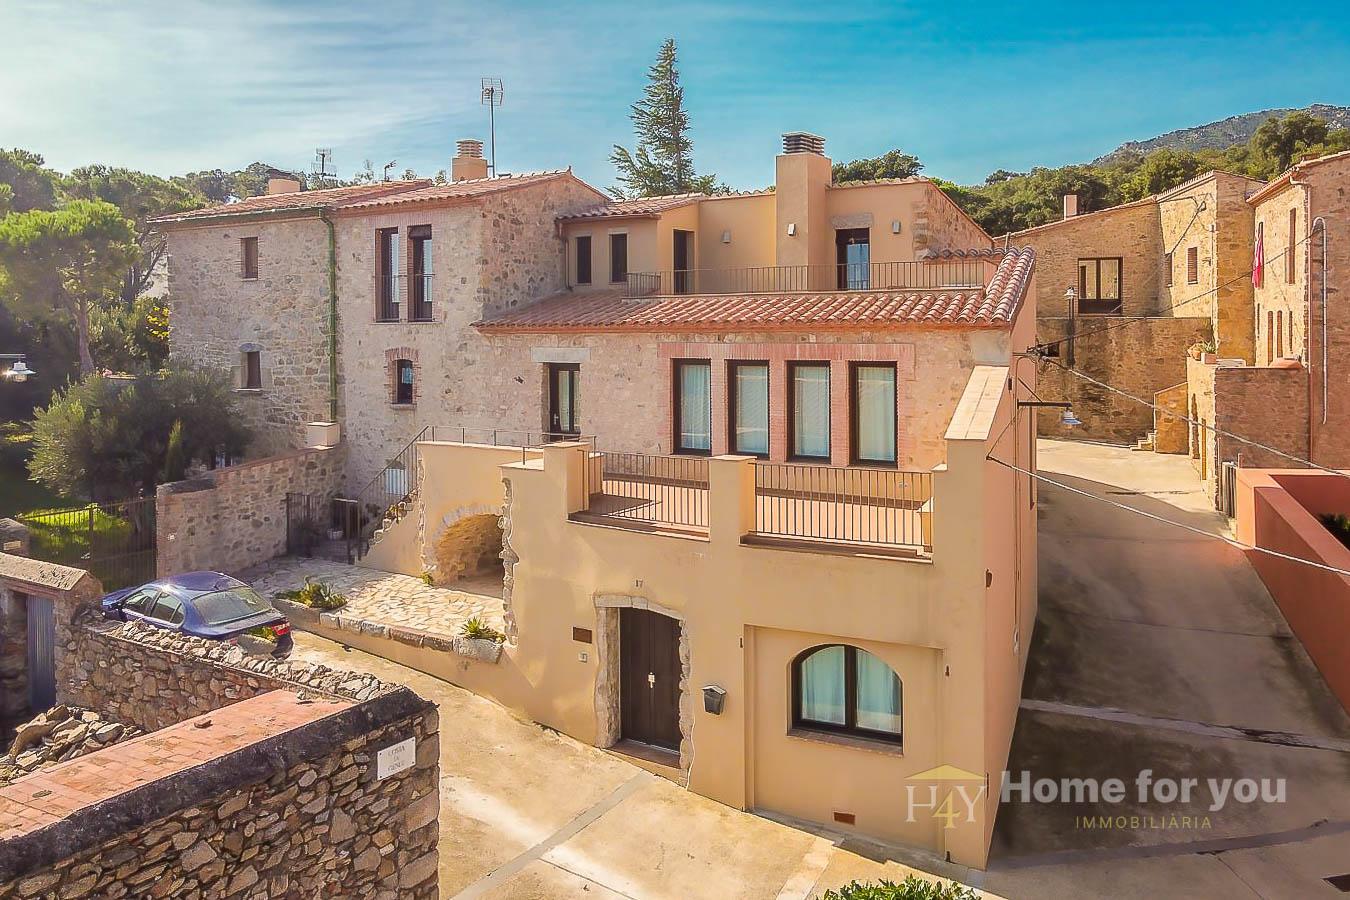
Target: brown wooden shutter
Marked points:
1192	265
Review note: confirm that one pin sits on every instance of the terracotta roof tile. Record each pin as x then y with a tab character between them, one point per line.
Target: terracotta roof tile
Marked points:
459	190
995	305
296	200
641	206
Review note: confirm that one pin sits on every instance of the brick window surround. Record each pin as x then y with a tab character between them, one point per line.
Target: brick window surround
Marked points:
392	358
778	355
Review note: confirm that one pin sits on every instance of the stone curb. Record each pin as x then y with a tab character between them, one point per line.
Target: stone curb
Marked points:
306	619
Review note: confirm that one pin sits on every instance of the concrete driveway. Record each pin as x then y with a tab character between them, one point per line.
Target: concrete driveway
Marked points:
530	813
1160	649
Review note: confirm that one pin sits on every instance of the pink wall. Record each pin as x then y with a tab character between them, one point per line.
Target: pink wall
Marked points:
1277	510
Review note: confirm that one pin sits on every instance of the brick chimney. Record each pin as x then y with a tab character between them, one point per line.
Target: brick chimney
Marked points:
282	185
801	175
468	163
1070	205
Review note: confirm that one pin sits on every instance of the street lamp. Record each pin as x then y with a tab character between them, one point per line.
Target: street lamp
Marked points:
18	370
1066	417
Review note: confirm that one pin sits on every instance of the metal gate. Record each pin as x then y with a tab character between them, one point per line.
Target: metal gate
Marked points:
114	541
1228	488
41	654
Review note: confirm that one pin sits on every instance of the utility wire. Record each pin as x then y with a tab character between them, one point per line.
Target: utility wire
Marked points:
1166	521
1211	428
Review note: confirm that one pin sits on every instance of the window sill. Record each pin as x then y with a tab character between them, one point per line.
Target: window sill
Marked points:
810	460
248	390
386	321
850	741
248	277
680	451
421	321
874	464
403	406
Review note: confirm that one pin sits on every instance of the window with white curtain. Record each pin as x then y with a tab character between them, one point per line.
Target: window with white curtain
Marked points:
809	391
838	688
749	406
693	406
874	413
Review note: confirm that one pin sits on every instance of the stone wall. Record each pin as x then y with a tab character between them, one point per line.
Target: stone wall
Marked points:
1169	422
1140	356
232	518
300	813
215	313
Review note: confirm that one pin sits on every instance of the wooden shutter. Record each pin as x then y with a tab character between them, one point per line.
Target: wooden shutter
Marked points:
1192	265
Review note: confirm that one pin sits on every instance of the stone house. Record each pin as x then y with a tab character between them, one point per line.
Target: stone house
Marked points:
1135	286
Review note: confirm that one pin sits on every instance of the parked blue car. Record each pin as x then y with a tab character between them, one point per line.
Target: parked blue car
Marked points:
203	604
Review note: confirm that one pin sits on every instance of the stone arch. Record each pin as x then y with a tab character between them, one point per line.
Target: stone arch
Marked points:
607	720
467	542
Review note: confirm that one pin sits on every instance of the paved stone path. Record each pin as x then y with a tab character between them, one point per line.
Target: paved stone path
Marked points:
384	597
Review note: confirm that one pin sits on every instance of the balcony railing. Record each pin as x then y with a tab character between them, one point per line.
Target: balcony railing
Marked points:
659	491
392	292
882	507
940	274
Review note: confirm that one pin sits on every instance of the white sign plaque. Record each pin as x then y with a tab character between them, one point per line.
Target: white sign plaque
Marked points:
395	758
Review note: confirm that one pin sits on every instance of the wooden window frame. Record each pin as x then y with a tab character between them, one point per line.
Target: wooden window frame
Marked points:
248	258
1289	273
383	304
1119	302
420	307
850	726
252	370
1170	263
551	371
577	257
792	367
618	237
1192	265
843	239
676	407
853	420
733	400
398	365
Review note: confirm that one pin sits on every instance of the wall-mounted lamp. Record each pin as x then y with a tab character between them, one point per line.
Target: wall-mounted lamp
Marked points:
792	228
895	226
17	372
1066	418
714	697
726	236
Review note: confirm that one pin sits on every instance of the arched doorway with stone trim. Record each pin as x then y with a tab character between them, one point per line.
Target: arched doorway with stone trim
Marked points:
466	544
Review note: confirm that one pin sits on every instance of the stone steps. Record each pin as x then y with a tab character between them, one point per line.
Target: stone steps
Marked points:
1148	442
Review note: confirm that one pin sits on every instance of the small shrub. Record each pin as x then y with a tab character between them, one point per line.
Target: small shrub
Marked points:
315	595
912	888
477	628
428	579
1339	525
263	632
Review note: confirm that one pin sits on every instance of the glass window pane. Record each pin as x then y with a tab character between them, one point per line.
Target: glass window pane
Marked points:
874	388
1110	279
811	411
878	695
1087	277
695	406
751	422
858	258
566	411
822	686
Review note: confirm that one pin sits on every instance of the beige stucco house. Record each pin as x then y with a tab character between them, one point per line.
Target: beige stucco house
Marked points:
766	526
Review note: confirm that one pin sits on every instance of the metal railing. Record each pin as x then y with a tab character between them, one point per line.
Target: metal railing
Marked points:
114	541
939	274
415	292
653	490
886	507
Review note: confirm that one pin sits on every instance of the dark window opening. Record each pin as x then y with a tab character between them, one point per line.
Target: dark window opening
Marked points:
248	257
564	388
386	275
1168	264
403	382
1289	248
583	259
853	254
693	406
419	240
253	370
618	258
846	690
1192	265
1099	285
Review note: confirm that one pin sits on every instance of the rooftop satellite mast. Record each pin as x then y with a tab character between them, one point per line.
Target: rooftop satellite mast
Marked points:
322	167
492	98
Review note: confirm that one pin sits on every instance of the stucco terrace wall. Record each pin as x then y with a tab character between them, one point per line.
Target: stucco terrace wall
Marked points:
1137	355
232	518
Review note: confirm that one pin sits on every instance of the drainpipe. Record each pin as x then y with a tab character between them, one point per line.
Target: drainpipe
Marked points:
332	317
1320	224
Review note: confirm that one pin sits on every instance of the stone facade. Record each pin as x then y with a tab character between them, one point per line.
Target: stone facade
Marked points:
215	314
1170	429
231	518
1139	356
470	546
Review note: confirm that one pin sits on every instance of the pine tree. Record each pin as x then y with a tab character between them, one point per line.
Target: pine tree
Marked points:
663	162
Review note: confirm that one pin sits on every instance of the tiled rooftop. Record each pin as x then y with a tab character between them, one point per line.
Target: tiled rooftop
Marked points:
459	190
51	794
643	206
295	200
994	305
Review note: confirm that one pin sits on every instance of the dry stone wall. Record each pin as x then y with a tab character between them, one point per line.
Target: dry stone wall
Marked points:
233	518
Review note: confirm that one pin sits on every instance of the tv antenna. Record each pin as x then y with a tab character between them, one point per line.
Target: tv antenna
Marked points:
322	168
492	98
387	166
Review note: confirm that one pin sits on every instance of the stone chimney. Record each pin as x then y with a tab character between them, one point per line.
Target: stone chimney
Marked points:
801	176
1070	205
468	163
282	185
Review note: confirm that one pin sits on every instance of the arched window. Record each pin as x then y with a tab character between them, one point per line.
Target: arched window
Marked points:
845	690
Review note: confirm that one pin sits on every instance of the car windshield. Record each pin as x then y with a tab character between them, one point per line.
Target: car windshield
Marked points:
224	607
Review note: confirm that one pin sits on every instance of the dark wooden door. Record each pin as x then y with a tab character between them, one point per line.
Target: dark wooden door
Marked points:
683	252
649	680
564	388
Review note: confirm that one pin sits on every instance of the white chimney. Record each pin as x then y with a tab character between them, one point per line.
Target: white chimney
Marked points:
468	163
278	185
1070	205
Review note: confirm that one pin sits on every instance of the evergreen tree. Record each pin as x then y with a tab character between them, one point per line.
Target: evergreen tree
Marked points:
663	162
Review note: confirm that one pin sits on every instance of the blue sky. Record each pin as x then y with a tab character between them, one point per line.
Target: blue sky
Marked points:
190	84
